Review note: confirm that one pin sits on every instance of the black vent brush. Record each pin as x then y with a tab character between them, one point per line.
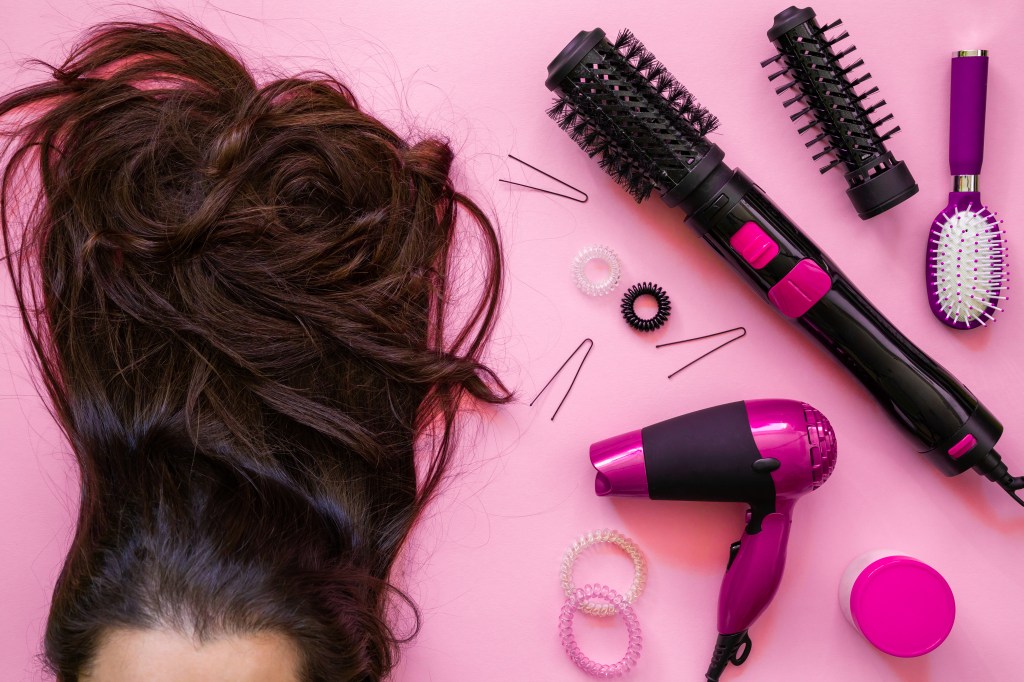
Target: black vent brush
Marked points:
846	129
622	106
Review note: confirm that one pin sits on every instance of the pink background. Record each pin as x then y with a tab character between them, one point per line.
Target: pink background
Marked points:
483	565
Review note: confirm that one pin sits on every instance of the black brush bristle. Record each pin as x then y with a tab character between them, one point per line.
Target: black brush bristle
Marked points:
825	92
619	103
824	87
679	98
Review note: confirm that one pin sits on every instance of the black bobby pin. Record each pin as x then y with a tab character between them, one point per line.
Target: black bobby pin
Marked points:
742	330
547	191
575	376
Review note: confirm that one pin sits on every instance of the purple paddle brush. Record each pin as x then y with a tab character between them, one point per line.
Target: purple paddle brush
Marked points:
967	267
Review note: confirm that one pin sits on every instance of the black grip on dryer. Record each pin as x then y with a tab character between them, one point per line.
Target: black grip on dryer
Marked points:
706	455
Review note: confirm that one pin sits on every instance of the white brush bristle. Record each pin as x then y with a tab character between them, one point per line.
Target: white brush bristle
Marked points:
969	258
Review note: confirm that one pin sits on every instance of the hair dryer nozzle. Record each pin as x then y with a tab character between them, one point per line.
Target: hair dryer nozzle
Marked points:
620	466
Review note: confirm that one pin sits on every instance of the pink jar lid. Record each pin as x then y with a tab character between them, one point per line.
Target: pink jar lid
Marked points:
902	606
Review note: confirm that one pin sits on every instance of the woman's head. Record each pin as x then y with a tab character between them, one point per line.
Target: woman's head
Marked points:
237	294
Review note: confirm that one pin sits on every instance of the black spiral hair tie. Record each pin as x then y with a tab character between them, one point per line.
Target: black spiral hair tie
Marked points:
639	323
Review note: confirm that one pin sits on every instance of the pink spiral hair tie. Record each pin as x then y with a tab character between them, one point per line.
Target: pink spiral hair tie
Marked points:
616	601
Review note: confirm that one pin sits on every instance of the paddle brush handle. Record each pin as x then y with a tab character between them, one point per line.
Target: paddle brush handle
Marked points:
967	95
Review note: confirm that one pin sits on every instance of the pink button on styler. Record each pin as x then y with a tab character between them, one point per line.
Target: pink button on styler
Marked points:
902	606
753	245
965	445
801	288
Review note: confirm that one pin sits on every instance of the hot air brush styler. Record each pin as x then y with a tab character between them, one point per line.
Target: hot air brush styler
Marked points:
966	259
823	92
623	106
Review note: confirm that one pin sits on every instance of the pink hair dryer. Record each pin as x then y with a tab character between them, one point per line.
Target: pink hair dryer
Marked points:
766	453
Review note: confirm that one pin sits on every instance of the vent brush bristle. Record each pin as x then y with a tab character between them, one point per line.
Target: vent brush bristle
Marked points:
620	104
851	132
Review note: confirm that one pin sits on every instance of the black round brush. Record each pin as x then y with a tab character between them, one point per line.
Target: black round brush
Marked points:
828	104
620	103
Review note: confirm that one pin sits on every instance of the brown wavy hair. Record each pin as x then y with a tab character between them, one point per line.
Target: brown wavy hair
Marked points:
237	294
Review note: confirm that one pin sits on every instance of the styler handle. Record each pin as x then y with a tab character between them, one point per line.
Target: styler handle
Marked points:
759	240
752	578
967	96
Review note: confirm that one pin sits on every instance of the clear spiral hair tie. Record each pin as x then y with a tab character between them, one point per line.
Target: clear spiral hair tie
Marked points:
579	270
616	602
612	537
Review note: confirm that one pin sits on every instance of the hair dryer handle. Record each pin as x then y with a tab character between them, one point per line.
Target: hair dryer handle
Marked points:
753	575
751	580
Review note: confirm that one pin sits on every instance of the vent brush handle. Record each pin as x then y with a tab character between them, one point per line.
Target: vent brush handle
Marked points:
967	94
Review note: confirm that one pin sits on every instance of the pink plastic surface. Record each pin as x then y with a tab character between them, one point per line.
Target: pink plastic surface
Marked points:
753	579
963	446
801	288
483	563
756	247
902	606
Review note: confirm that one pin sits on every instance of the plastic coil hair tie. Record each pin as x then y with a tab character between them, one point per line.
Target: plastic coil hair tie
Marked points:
616	602
600	253
645	324
612	537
